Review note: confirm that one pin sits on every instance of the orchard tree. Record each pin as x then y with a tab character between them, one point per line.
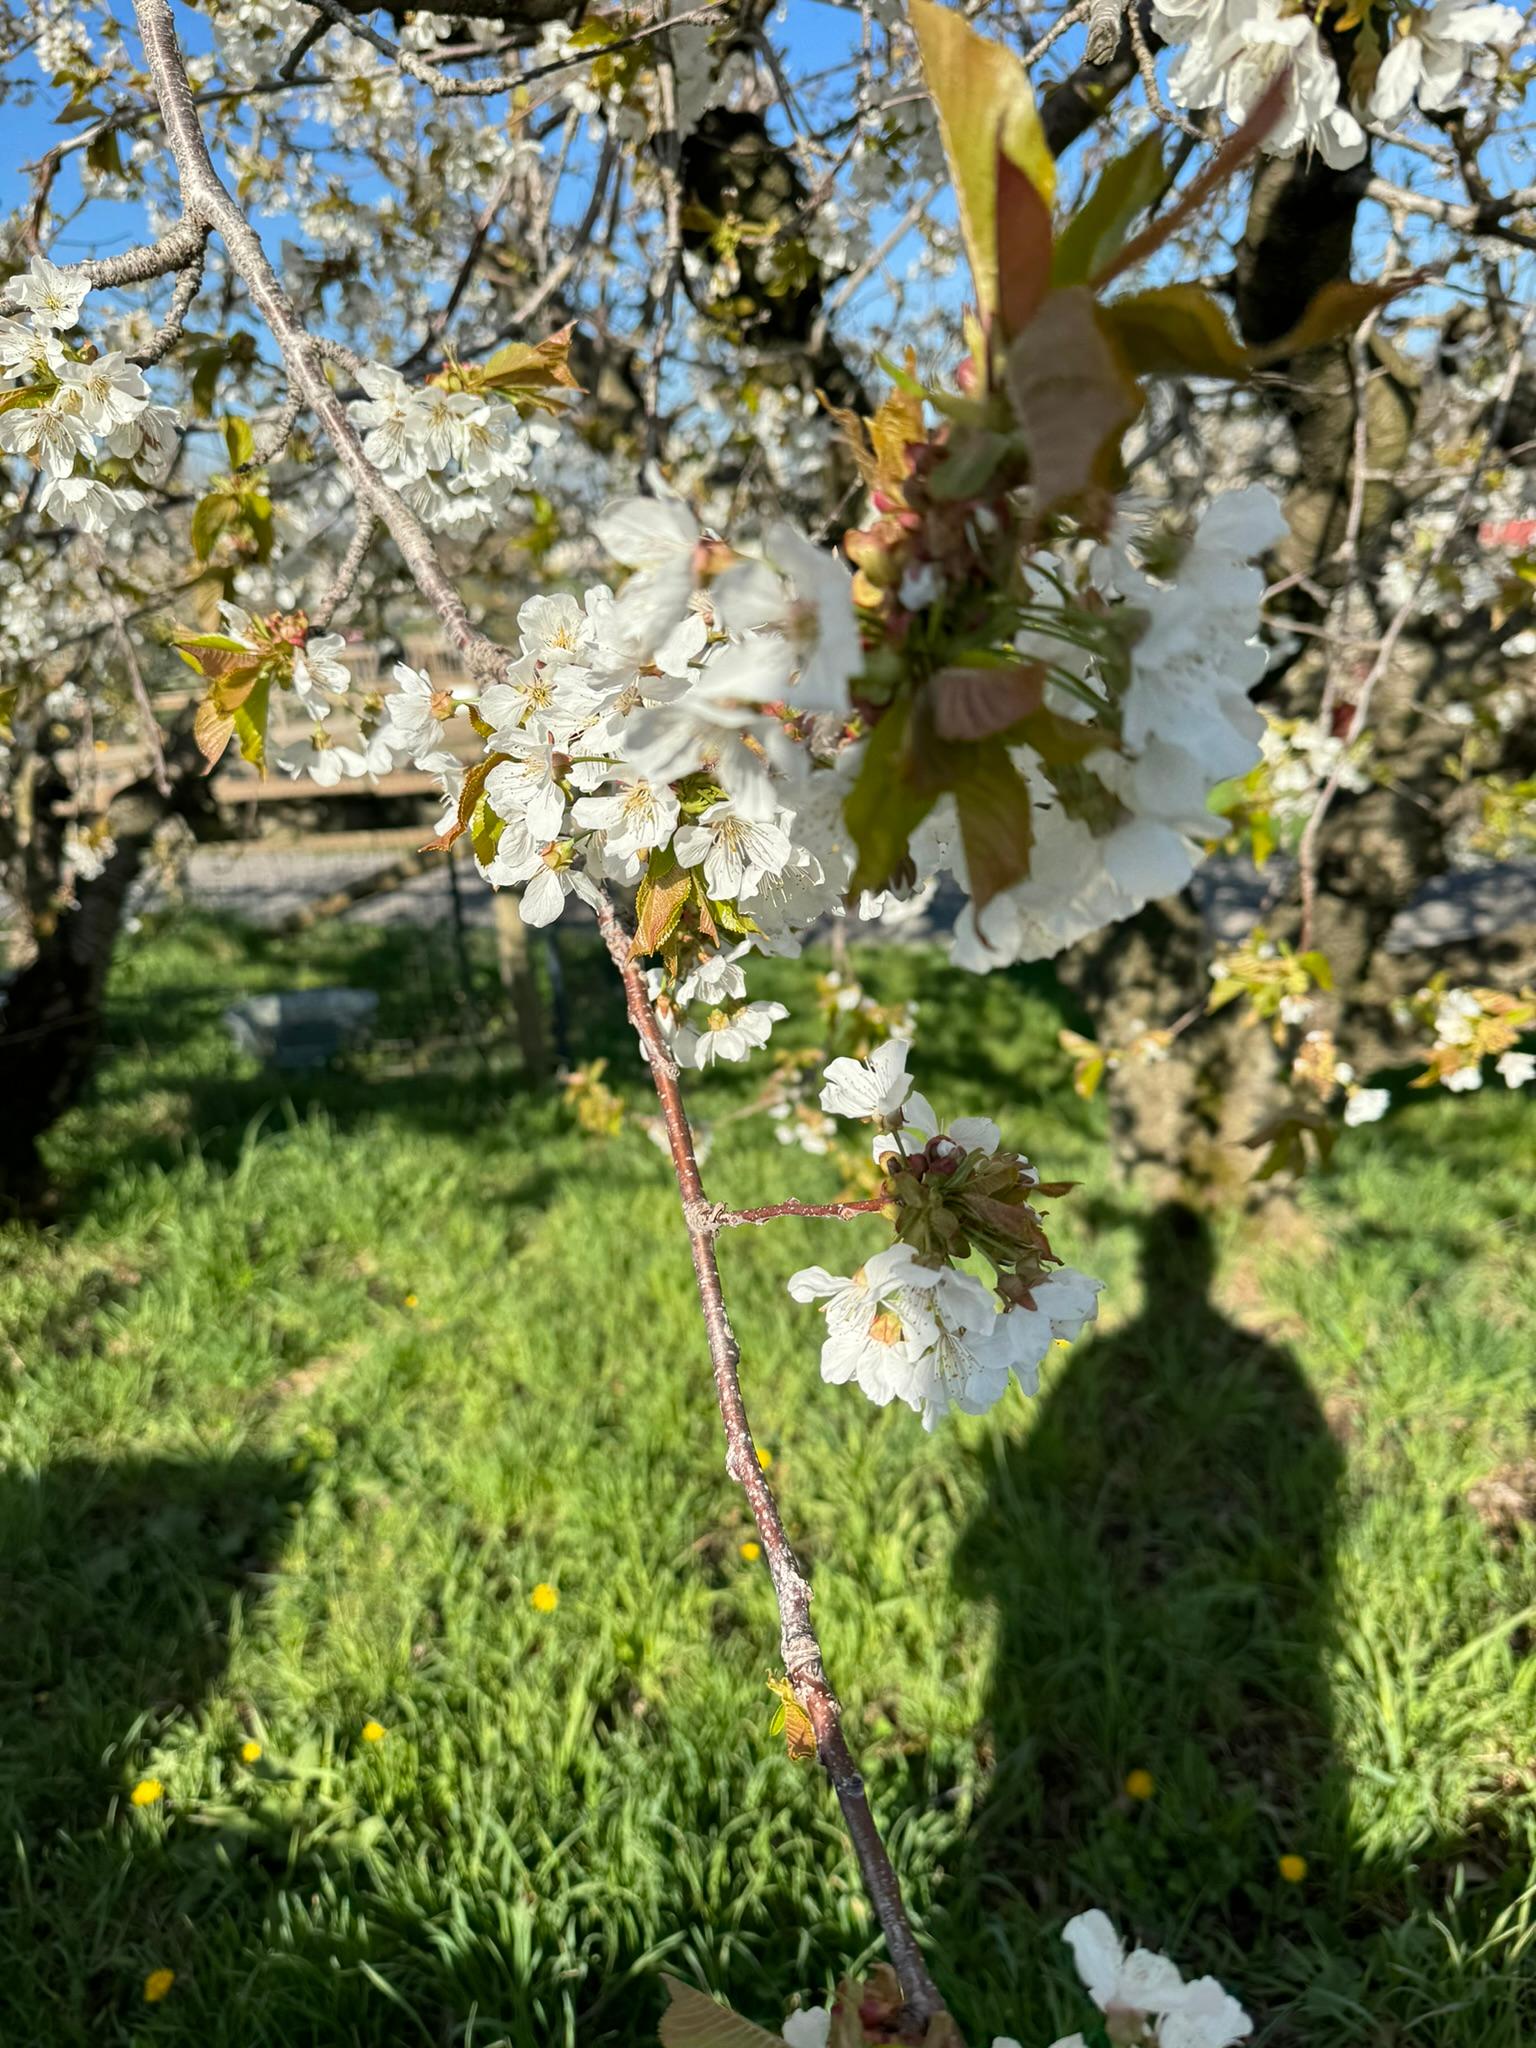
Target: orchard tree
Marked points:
1022	452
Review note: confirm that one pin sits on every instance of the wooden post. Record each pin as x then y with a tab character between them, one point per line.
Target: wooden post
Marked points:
515	967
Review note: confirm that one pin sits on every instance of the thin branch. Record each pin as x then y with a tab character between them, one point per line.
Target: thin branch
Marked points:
340	586
209	199
189	283
136	683
798	1644
176	249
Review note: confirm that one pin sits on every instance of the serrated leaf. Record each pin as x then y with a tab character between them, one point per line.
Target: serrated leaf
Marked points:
981	94
529	373
210	517
975	703
1072	396
249	713
660	900
1175	330
470	793
884	808
1336	310
212	728
1023	247
239	440
792	1722
996	826
693	2021
1096	232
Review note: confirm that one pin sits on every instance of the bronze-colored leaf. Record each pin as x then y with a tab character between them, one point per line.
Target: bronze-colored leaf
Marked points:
693	2020
975	703
212	729
1072	395
996	828
1023	247
660	900
1176	330
981	94
1335	311
470	793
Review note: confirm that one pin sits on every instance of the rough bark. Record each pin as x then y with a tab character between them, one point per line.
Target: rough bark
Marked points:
50	1026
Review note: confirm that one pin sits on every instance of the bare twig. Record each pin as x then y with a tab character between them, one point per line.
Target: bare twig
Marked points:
798	1644
208	199
189	283
340	586
136	683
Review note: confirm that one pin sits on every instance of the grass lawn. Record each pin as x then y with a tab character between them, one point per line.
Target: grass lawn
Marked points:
317	1382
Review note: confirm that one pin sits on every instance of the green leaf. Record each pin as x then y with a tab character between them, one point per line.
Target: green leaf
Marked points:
883	809
211	517
1317	966
250	720
1226	990
1096	232
981	94
660	900
239	440
471	793
996	828
1336	310
1072	396
1175	330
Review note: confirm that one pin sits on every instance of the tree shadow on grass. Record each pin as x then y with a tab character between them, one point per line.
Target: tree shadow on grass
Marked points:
119	1584
1158	1551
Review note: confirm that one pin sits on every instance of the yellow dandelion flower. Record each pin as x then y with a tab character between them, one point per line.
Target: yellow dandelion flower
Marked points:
544	1597
412	1301
751	1551
157	1984
1139	1785
147	1792
374	1731
764	1457
250	1752
1292	1868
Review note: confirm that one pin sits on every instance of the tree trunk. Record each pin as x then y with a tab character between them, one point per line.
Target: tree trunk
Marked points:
50	1026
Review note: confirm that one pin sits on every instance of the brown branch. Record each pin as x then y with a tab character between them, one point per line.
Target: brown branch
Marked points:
798	1644
339	589
208	199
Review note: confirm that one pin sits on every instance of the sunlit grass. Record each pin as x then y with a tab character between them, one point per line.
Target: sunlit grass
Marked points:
366	1424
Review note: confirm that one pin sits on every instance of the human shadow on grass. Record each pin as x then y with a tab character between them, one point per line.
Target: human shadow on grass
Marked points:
118	1586
1158	1551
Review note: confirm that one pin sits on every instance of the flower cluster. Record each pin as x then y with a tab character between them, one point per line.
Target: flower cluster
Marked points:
1127	824
1144	1999
1229	51
1142	1996
1469	1026
456	457
911	1324
82	418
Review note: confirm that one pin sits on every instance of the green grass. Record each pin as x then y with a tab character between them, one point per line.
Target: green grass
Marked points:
249	1492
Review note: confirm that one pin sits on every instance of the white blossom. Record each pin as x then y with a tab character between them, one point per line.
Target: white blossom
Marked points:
872	1087
52	296
1367	1105
1431	51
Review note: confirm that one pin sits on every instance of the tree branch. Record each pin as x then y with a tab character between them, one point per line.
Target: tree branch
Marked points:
799	1647
208	199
